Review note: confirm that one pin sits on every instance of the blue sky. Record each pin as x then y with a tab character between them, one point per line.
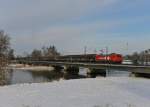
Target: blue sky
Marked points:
71	25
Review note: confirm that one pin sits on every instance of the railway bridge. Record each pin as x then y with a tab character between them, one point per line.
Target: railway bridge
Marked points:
92	67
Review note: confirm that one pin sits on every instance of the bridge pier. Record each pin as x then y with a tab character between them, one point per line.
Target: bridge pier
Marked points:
141	73
57	67
93	72
71	69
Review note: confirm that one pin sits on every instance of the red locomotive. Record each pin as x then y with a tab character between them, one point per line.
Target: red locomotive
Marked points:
111	58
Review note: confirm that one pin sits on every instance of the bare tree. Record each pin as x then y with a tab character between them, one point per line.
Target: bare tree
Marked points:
11	55
50	51
36	54
135	58
4	50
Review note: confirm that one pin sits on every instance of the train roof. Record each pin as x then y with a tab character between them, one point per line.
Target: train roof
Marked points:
79	55
87	55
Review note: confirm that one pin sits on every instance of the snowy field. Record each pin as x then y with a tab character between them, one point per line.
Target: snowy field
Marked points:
99	92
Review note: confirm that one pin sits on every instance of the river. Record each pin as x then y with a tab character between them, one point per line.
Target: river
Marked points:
18	76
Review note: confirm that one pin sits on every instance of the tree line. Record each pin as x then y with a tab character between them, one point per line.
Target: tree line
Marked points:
142	58
44	53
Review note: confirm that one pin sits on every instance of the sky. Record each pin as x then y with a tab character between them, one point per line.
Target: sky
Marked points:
121	25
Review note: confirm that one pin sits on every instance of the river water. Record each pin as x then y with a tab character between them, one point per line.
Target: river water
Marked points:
18	76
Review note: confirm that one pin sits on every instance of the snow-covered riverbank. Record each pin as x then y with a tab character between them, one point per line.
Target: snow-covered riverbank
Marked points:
99	92
32	68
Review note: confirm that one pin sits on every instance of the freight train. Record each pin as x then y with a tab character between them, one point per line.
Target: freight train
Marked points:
93	58
99	58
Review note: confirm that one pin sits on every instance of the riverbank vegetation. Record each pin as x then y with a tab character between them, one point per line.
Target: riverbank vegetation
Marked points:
5	52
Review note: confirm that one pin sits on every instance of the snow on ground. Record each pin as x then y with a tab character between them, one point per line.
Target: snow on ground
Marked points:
98	92
28	67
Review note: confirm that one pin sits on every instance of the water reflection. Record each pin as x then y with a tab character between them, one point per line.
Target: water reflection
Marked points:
3	77
25	76
114	73
46	75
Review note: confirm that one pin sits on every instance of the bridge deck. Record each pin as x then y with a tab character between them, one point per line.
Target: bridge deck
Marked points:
123	67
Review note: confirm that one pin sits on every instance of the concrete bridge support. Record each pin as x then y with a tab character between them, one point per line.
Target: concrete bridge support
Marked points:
71	69
141	73
93	72
57	67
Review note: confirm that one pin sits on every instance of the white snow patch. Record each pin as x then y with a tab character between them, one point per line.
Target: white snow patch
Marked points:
98	92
